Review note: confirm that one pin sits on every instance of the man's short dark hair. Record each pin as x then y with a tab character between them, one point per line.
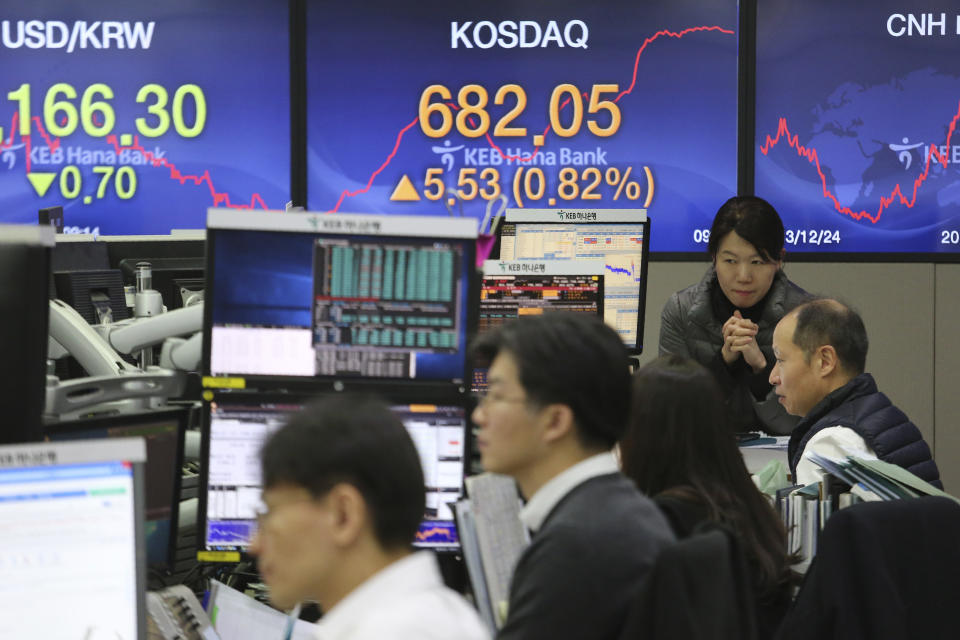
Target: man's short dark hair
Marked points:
357	440
825	321
573	359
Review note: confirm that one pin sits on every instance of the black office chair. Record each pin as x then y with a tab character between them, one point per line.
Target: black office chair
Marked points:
699	589
883	570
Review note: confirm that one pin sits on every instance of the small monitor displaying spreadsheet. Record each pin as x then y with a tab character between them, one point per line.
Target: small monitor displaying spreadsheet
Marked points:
511	290
237	427
620	240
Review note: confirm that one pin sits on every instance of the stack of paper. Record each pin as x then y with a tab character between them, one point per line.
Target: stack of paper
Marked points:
236	616
805	510
887	481
492	537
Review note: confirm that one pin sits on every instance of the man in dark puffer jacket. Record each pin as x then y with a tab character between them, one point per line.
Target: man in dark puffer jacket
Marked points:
821	350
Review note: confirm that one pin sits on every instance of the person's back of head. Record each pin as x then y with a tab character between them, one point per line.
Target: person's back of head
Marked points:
677	432
678	445
354	474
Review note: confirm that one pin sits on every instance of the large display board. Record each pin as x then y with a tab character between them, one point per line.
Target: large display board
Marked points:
857	108
138	116
417	107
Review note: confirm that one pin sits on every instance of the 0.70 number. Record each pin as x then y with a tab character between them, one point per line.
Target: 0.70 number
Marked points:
124	181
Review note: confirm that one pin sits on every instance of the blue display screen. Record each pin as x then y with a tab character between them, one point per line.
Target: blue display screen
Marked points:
857	108
137	117
559	104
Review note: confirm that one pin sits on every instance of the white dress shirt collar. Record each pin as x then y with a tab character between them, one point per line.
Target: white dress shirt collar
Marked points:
413	573
546	498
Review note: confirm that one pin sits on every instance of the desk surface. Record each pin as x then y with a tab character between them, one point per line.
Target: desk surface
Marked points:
757	458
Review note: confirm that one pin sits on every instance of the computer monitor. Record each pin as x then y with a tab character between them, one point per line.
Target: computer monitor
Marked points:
97	296
24	316
184	245
163	431
177	279
307	297
512	289
71	543
78	253
236	426
176	261
621	238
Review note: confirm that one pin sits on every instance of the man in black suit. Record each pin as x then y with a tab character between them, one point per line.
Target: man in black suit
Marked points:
557	400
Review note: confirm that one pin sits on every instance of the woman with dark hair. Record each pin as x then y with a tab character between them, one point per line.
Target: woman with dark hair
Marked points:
726	321
678	450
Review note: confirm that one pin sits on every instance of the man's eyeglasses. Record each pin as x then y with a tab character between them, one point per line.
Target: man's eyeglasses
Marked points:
484	399
262	515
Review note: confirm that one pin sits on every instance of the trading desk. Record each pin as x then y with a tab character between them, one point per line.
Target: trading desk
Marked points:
757	454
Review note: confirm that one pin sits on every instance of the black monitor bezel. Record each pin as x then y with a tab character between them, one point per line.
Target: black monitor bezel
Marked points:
80	254
637	349
391	394
28	251
146	247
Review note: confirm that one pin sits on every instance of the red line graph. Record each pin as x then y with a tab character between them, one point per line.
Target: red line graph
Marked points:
219	198
633	83
52	144
396	146
810	153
